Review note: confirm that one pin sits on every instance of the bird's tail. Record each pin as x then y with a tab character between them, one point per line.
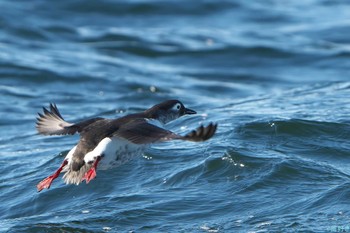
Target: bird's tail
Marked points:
75	177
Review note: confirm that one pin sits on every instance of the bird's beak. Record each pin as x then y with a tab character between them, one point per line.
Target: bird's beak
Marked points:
189	111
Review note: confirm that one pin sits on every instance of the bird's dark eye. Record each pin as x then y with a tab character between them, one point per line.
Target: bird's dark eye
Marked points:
177	106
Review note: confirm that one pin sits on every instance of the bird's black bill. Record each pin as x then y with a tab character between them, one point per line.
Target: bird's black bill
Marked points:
189	111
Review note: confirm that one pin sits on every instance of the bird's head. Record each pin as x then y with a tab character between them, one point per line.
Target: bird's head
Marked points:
168	111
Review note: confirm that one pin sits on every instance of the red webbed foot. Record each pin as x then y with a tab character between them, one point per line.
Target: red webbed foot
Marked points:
91	173
46	183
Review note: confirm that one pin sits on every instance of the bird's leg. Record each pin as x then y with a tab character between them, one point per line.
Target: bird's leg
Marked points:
91	174
46	183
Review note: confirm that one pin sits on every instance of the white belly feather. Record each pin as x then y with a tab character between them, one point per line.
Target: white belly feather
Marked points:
70	155
115	151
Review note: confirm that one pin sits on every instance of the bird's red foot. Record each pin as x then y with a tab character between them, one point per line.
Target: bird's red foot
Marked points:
46	183
91	174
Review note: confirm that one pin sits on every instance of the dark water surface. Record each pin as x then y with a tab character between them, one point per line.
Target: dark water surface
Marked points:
275	75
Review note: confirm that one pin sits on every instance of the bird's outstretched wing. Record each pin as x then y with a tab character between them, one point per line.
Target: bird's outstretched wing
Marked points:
52	123
142	132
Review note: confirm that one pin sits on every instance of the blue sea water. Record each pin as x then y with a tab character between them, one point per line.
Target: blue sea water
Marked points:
273	74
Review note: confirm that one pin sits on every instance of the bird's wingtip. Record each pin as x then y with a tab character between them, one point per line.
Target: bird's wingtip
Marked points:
202	133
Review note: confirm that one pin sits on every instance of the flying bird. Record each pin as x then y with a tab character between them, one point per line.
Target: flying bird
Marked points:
107	143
